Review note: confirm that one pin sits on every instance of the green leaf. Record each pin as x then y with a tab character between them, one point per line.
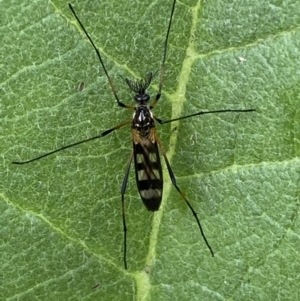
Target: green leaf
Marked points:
61	217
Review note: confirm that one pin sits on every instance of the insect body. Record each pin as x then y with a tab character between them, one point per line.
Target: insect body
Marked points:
145	154
148	171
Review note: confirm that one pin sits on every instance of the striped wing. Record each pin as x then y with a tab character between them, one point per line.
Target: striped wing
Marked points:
148	173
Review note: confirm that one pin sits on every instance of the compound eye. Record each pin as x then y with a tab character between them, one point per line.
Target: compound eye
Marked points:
146	97
138	98
141	98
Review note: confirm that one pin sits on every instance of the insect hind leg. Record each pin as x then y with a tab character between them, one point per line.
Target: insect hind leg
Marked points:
174	182
123	190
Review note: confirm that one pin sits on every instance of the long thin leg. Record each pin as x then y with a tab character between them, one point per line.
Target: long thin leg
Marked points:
173	179
160	121
121	104
123	189
76	143
162	68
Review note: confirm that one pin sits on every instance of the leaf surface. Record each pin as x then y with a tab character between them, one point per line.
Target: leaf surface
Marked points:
61	217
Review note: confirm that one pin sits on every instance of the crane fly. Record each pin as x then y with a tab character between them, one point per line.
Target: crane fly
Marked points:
146	143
